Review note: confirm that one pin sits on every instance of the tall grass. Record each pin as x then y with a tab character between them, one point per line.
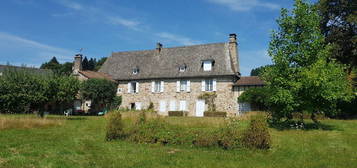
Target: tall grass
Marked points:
27	122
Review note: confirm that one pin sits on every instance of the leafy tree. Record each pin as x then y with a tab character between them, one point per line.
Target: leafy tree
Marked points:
53	65
256	96
339	26
302	80
91	64
22	91
258	71
66	68
85	63
100	91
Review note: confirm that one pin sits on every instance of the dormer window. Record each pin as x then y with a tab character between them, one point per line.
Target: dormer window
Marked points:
135	70
182	68
207	65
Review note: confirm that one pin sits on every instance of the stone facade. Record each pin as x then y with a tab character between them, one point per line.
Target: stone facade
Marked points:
226	99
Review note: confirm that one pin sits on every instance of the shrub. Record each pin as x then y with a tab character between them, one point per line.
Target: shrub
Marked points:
115	126
257	135
177	113
205	139
151	106
229	135
215	114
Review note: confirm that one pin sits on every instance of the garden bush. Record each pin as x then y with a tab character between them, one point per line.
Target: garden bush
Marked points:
177	113
115	126
257	135
215	114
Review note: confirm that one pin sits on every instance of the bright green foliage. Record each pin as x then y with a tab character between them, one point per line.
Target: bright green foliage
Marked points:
23	91
302	78
256	96
100	91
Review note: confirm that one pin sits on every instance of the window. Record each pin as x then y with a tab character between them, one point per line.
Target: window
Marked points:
207	65
135	71
209	85
133	87
157	86
119	90
183	85
182	68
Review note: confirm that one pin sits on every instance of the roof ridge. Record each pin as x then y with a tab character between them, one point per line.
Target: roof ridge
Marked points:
184	46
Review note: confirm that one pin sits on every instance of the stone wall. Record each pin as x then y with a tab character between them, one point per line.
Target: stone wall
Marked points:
226	99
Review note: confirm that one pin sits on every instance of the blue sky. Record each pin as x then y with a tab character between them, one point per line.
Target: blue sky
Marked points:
33	31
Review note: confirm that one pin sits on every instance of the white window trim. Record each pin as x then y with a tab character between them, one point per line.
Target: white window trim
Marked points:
130	89
207	65
214	85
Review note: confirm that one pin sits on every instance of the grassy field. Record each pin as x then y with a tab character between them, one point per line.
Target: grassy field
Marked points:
79	142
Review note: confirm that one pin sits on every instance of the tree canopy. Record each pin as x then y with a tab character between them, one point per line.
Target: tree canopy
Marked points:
303	79
339	26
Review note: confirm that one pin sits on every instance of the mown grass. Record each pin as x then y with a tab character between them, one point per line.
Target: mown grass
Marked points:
80	142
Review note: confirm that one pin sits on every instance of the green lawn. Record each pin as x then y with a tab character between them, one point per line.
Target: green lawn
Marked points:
79	142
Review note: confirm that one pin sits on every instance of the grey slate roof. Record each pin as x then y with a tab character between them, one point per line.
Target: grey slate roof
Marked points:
165	64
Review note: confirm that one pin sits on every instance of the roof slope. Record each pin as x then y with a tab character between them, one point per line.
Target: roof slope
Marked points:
249	81
165	64
96	75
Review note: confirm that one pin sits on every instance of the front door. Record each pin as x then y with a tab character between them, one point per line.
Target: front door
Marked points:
200	108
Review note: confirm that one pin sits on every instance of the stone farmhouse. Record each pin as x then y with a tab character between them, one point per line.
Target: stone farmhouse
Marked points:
174	78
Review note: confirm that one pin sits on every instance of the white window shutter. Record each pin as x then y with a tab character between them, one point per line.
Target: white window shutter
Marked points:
129	88
137	87
153	86
188	86
162	86
178	86
203	85
214	85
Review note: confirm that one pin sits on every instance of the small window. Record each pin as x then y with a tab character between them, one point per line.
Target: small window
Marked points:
207	65
182	68
209	85
183	85
157	86
135	71
119	90
133	87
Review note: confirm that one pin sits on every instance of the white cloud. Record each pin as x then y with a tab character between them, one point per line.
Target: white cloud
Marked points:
169	37
245	5
71	4
98	14
115	20
25	50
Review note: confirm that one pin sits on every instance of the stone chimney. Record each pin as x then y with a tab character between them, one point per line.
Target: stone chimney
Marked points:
77	66
233	52
158	47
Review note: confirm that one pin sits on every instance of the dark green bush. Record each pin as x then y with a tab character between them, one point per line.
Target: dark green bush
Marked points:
215	114
257	135
115	126
177	113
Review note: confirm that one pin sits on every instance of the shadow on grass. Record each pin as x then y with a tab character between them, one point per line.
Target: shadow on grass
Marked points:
297	125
